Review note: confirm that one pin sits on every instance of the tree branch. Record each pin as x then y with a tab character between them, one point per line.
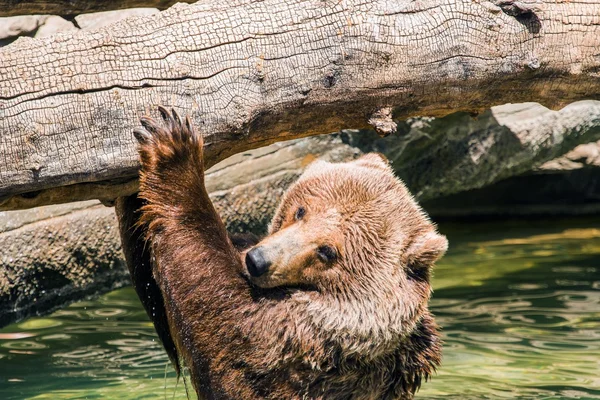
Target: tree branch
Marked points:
252	73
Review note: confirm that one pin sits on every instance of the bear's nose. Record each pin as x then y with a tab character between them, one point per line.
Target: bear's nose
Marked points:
256	262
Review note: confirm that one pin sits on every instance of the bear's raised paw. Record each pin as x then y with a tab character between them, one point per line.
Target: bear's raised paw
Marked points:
170	143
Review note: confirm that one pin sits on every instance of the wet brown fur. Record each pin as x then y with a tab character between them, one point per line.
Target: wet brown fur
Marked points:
354	328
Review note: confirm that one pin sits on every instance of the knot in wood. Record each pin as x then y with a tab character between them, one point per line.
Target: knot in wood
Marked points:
519	8
382	121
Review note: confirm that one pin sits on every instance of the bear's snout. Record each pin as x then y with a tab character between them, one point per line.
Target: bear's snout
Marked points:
256	262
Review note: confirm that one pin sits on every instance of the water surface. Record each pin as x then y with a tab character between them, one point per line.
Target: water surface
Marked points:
519	303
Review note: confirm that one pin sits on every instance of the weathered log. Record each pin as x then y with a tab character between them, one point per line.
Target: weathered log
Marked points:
48	263
9	8
252	73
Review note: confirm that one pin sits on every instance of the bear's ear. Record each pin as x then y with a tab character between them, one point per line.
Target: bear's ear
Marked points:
316	166
374	160
425	250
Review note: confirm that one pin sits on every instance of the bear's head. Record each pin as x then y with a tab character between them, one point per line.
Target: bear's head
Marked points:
353	245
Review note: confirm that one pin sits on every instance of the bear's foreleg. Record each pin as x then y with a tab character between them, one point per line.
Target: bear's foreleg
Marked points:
138	260
194	262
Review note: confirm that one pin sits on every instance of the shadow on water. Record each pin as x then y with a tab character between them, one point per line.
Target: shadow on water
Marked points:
519	303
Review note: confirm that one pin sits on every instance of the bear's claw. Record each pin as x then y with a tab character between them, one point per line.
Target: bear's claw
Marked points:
141	135
168	142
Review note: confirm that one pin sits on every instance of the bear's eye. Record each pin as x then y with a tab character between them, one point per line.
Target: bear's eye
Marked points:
299	213
327	254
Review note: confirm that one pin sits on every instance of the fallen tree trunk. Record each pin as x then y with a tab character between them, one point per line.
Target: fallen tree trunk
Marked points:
10	8
252	73
48	263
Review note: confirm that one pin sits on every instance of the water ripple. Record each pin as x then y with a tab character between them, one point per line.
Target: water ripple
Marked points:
520	318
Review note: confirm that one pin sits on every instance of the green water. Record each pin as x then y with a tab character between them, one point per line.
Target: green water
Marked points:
519	304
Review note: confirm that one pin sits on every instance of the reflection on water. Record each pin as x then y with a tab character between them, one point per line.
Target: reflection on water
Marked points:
519	305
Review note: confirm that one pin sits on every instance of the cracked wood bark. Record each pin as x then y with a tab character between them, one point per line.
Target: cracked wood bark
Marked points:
10	8
251	73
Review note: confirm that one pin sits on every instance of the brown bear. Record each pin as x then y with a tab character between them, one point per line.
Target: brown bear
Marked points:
332	304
